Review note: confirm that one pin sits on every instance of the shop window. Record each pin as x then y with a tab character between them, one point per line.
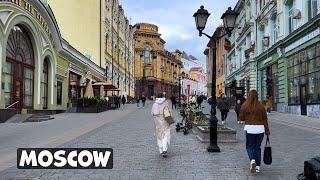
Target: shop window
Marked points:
304	70
59	92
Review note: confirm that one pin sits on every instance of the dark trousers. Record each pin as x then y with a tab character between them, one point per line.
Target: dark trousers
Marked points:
253	146
224	114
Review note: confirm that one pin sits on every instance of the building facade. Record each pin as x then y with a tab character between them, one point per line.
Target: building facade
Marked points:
37	64
276	51
241	73
221	54
199	75
195	71
103	34
156	69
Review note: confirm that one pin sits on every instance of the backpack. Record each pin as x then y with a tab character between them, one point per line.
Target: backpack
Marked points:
312	168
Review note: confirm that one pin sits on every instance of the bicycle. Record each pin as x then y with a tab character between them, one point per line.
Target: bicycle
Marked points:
185	123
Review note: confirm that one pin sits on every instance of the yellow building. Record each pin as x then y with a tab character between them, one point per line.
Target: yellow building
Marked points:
101	32
40	70
156	69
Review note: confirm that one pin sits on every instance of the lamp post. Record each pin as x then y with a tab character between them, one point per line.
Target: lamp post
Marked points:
229	18
179	91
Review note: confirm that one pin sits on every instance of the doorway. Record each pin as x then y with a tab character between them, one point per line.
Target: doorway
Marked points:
303	100
19	70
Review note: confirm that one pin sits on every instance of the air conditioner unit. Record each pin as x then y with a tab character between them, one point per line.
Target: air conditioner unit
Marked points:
296	14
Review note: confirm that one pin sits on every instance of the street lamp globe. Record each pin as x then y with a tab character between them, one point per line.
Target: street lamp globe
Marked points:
201	17
229	20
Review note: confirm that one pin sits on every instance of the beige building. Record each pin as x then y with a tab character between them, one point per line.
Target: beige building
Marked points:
220	64
100	31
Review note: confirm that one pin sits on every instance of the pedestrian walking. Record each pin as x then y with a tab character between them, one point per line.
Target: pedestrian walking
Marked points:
256	125
138	101
237	110
123	100
268	104
143	100
173	102
162	128
224	106
200	100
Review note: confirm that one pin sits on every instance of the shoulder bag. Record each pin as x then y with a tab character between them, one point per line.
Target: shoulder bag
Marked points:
167	115
267	154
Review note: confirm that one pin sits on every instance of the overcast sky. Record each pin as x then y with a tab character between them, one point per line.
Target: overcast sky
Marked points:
175	21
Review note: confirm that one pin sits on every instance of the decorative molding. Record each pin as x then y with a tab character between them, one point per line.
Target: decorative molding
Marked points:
4	15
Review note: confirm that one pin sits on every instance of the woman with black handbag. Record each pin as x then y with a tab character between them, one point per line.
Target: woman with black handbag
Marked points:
162	123
256	125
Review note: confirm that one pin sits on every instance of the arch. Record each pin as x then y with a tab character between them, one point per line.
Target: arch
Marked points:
18	70
1	64
51	59
28	25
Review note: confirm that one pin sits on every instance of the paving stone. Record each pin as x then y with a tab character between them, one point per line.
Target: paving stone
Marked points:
136	154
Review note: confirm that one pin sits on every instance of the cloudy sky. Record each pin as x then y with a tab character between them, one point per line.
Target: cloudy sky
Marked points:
175	21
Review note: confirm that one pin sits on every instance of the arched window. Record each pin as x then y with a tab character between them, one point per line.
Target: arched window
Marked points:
44	84
18	69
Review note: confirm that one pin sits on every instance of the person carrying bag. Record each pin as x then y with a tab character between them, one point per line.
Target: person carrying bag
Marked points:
162	119
252	112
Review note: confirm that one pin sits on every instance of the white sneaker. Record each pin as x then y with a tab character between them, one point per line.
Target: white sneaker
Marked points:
238	122
257	169
222	122
253	166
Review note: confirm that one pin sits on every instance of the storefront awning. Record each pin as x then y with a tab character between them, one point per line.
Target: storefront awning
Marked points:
107	87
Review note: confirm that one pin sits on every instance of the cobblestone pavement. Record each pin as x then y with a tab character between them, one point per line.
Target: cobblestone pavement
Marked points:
136	155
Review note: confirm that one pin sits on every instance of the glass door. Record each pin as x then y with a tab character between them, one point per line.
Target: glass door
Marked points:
17	84
303	100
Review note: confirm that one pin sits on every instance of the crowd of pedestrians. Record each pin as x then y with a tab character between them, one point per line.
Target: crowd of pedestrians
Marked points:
249	111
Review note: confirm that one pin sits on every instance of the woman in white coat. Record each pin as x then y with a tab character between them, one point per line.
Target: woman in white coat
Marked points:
162	128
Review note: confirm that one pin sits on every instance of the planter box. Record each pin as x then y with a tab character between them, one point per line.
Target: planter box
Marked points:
91	109
225	134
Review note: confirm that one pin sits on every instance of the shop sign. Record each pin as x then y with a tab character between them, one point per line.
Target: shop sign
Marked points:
34	12
303	40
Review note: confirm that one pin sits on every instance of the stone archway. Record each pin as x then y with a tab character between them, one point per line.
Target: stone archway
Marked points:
18	69
26	62
49	60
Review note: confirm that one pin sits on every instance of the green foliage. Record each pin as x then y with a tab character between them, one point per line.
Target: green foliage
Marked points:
91	102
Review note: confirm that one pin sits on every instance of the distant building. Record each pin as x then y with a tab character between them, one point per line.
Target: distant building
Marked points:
156	69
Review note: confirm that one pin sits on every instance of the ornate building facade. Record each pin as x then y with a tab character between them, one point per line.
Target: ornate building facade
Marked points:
156	69
40	70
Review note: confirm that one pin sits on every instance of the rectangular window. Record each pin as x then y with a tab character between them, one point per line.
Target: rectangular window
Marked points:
59	92
313	8
304	69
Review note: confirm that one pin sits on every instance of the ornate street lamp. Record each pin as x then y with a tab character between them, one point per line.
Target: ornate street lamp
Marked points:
201	17
229	18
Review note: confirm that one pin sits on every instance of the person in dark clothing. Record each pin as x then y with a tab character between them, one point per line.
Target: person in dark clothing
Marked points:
237	110
119	101
138	101
143	100
224	106
123	100
199	101
173	102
